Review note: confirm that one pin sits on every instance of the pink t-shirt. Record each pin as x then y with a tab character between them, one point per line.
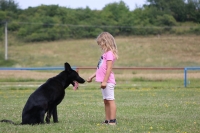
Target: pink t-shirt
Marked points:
102	67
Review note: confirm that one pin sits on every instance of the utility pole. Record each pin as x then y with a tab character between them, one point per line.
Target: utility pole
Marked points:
6	42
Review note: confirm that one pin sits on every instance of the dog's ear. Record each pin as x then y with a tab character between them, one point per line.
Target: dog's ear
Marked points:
67	67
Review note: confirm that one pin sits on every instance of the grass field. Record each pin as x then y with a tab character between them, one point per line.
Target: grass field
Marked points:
143	110
147	101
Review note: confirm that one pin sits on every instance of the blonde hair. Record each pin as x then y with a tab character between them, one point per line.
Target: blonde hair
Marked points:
107	41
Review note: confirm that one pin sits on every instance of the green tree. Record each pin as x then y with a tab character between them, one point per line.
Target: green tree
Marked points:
52	22
193	10
2	15
117	10
116	14
9	5
174	7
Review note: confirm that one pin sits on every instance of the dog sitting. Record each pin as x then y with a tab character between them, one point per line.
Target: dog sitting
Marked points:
46	98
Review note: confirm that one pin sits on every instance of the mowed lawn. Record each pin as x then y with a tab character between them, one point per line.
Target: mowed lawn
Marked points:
139	110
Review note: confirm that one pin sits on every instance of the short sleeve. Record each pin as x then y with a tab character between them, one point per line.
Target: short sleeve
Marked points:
109	56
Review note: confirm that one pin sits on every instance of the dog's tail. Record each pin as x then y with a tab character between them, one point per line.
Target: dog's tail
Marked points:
9	121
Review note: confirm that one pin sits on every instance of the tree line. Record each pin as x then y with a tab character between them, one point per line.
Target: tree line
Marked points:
53	22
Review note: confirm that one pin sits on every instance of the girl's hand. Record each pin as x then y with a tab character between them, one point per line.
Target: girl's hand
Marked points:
89	80
91	77
103	85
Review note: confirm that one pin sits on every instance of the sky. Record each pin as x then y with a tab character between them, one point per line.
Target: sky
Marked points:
92	4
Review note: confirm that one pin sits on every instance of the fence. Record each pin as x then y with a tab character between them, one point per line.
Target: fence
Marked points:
186	69
93	68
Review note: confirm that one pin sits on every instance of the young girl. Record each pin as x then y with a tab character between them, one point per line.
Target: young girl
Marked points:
105	75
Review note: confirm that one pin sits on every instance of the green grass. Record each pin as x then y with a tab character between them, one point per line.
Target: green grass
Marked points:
147	101
135	82
139	110
4	62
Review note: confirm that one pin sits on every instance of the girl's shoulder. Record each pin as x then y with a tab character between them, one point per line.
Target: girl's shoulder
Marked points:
109	54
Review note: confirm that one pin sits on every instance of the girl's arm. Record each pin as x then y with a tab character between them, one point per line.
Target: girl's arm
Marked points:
108	71
91	77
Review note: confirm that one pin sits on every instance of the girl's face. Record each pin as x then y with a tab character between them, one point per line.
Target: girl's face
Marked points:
100	43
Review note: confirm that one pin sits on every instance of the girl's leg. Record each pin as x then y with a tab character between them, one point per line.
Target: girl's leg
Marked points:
107	110
109	102
110	109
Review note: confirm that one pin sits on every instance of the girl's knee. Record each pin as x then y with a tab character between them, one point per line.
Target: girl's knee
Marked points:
109	101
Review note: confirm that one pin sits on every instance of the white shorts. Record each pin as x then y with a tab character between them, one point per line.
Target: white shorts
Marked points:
108	92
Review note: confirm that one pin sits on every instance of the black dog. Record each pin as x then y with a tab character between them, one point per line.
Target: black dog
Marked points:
46	98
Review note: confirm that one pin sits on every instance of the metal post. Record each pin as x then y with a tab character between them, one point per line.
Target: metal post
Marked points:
6	42
185	77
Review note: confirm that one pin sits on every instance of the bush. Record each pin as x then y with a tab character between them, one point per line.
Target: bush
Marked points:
195	30
166	20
